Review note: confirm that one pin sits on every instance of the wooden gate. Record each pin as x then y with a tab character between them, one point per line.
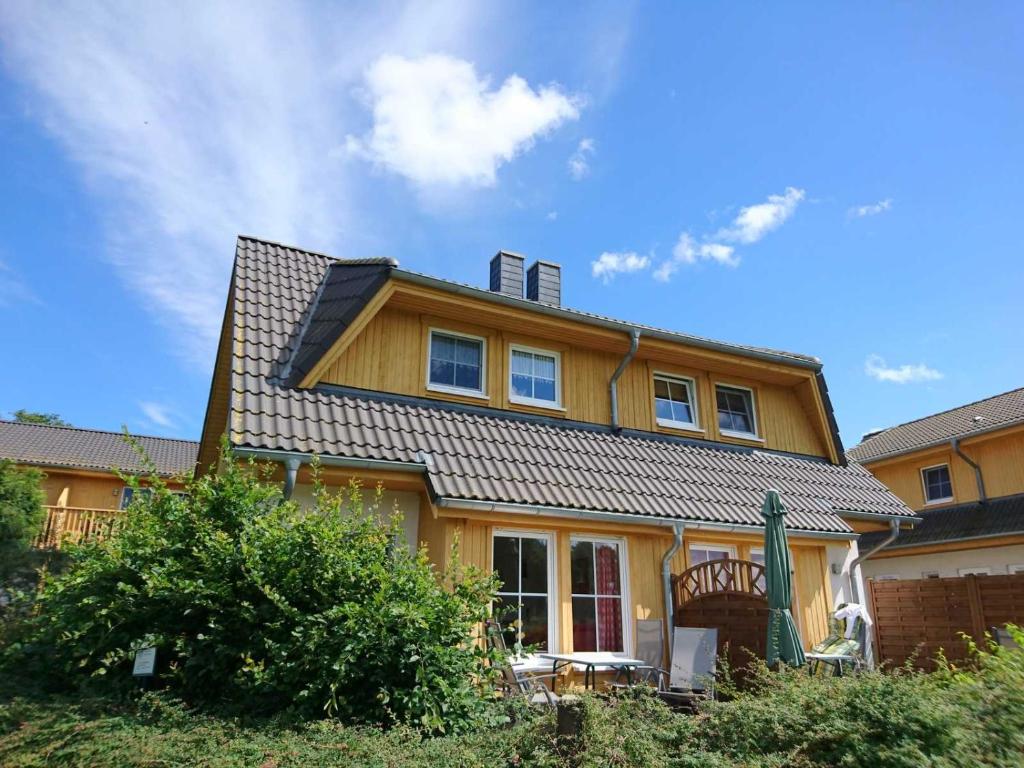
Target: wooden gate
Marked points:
914	618
730	596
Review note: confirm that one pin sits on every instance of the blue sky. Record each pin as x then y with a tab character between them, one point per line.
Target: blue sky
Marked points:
838	181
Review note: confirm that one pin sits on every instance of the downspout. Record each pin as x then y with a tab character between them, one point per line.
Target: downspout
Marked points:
955	445
291	471
894	532
613	384
666	578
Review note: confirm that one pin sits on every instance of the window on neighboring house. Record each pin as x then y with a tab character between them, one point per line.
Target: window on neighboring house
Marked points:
597	604
702	553
523	563
887	577
534	377
456	363
1015	568
674	402
978	571
929	574
735	411
937	484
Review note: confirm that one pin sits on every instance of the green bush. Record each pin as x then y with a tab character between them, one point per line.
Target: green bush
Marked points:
254	604
21	507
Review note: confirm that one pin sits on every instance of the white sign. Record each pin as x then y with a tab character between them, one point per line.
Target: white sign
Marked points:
145	662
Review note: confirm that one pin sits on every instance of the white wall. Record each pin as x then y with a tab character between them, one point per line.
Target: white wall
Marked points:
842	555
999	559
405	502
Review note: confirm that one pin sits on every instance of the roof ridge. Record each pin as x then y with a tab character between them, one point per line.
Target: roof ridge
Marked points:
938	413
71	427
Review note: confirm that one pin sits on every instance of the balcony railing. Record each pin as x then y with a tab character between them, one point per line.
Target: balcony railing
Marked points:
75	524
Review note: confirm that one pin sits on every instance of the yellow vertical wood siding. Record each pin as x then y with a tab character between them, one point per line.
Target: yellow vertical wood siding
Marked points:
390	355
1000	456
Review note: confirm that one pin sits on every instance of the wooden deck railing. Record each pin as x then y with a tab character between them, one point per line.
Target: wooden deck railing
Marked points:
75	524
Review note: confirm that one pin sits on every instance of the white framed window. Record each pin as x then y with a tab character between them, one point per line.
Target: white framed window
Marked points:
757	556
600	616
737	416
702	553
525	563
675	401
456	363
980	570
534	377
938	486
930	575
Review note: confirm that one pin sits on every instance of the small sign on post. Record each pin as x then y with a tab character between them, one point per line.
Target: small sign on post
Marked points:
145	662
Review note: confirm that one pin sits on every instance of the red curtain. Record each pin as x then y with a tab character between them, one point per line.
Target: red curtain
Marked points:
609	609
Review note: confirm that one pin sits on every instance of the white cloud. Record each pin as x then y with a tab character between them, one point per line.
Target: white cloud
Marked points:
157	413
689	251
579	161
437	122
876	367
198	121
751	224
756	221
552	216
610	264
873	209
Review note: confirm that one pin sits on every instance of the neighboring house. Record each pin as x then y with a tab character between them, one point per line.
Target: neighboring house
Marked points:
562	449
82	486
963	471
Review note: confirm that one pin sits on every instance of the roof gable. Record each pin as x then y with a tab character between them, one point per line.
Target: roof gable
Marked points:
344	292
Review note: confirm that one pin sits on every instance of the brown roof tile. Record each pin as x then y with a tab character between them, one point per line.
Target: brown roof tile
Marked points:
982	416
71	447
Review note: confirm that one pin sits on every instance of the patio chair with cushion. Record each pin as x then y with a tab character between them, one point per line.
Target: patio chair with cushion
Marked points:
518	682
844	647
694	660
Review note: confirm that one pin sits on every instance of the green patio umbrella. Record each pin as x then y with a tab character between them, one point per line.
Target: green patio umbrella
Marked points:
783	639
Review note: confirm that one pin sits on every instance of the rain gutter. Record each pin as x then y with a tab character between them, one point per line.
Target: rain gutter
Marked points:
292	460
625	517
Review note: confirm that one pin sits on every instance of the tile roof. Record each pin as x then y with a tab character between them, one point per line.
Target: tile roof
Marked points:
983	416
71	447
488	455
996	517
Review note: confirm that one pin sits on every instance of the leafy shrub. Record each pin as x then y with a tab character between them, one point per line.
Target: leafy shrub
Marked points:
21	507
253	603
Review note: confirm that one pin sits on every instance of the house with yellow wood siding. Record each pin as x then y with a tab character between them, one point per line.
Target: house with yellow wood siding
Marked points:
962	470
84	471
589	461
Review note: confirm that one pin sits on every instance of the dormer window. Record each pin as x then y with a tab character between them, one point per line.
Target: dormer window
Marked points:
938	486
534	377
456	363
674	402
736	417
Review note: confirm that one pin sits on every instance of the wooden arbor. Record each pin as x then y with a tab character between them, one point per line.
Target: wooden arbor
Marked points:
730	596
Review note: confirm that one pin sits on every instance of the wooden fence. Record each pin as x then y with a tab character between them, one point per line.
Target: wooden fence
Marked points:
916	618
75	524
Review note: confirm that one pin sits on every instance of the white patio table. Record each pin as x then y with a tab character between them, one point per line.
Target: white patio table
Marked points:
591	661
